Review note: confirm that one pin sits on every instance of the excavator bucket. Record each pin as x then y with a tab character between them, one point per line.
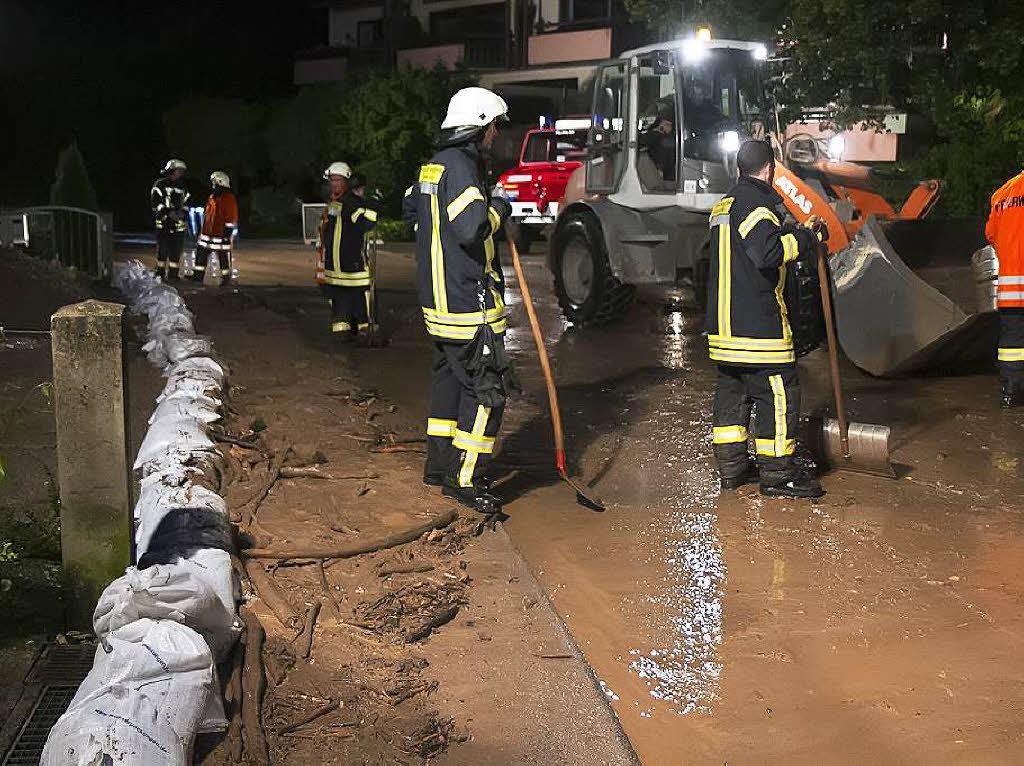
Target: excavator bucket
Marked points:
909	295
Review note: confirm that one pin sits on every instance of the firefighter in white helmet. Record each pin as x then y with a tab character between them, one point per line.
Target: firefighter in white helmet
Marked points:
460	290
169	201
342	271
220	224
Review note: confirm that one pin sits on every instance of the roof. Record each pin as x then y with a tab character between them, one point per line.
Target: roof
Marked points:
741	45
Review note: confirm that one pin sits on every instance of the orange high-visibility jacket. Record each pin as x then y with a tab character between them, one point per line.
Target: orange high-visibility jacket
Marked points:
220	220
1005	230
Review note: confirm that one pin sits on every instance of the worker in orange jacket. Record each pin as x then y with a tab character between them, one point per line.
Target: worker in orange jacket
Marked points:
220	224
1005	230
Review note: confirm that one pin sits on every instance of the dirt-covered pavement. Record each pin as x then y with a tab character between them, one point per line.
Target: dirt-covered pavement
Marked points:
882	624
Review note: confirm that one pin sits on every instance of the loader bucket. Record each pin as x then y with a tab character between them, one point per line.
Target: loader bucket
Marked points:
909	296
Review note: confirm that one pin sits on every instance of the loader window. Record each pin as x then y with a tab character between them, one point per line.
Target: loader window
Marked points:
658	127
720	93
606	139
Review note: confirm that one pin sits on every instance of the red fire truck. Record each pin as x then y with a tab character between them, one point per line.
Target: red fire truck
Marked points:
537	184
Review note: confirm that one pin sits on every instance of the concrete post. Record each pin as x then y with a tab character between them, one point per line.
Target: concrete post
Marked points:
92	457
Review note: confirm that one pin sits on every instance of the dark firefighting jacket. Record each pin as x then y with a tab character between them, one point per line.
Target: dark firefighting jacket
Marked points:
460	283
169	201
750	246
220	220
343	231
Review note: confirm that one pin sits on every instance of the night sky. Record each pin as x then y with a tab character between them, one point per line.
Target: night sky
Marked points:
104	72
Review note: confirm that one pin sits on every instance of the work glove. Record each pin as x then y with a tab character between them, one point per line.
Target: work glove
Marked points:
498	192
817	225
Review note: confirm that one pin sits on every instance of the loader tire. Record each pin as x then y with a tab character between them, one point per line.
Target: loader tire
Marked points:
588	292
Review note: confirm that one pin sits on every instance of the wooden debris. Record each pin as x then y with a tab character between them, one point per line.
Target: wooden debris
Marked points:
328	593
313	472
253	684
270	594
305	638
437	619
355	549
387	570
314	714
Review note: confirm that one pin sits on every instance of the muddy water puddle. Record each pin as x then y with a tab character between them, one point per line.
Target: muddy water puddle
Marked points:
869	627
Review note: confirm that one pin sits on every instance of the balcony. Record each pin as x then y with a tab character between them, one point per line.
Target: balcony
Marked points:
475	53
564	47
329	64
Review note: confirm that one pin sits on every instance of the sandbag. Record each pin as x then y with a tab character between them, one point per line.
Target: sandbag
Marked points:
143	701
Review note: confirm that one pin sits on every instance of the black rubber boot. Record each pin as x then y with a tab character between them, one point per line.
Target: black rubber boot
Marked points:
749	476
797	484
471	497
1011	397
437	480
735	468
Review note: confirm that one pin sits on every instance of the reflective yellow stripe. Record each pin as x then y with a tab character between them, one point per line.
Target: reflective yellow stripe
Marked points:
752	357
408	192
471	318
779	395
359	211
757	215
437	256
441	427
790	248
336	244
340	327
729	434
467	441
750	344
348	278
431	174
724	280
769	448
1011	355
462	333
495	219
471	454
370	215
780	299
469	196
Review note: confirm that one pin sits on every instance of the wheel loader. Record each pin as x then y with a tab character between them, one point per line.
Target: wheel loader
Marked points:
667	120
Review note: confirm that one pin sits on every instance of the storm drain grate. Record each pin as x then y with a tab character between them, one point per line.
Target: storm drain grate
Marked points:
63	665
28	747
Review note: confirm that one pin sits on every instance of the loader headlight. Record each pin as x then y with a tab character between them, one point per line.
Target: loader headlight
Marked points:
729	141
694	50
837	147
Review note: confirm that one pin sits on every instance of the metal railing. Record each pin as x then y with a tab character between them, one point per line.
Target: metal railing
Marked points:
77	238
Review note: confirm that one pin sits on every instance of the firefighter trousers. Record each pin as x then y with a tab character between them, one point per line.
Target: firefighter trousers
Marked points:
773	394
461	432
1011	353
350	307
203	262
169	245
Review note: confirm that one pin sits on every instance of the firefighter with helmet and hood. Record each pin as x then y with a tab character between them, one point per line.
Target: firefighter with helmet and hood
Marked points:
169	201
220	224
460	290
342	271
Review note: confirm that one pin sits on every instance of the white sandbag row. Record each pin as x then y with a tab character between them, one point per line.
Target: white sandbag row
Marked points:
165	623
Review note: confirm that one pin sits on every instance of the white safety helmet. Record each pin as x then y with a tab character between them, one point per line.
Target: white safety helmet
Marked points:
338	169
173	164
220	178
474	107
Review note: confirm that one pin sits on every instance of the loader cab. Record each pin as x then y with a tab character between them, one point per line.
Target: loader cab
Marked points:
667	120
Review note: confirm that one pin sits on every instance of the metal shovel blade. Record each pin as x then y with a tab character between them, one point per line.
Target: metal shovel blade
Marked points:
869	448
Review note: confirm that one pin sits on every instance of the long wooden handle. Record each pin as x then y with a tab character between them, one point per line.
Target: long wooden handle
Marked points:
542	352
833	352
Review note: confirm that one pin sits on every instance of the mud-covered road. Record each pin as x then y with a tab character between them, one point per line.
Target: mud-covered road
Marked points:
880	625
